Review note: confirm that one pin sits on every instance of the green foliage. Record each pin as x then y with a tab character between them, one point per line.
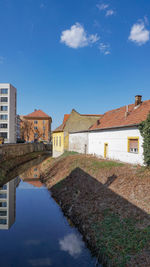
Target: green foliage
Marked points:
119	239
144	128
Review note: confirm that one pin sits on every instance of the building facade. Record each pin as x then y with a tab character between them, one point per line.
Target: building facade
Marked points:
72	122
36	126
8	112
115	135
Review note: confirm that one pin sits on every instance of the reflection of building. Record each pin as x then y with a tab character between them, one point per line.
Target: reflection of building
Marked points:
32	176
8	112
8	204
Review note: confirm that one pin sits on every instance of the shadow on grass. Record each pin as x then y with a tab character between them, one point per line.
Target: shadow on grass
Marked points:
118	230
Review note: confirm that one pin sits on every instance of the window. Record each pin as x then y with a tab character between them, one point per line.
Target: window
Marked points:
3	212
133	144
3	221
35	122
35	135
54	141
4	135
3	108
4	91
4	187
59	140
43	135
3	117
43	122
3	195
3	125
3	204
35	128
35	169
4	99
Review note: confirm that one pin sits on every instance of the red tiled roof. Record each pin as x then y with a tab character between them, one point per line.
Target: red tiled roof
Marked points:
37	114
66	117
118	117
35	183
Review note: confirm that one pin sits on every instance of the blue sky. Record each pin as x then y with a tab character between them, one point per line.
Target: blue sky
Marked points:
89	55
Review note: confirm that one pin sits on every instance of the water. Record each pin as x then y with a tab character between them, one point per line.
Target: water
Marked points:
33	229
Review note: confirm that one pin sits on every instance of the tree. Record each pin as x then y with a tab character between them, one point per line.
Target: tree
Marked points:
26	129
144	128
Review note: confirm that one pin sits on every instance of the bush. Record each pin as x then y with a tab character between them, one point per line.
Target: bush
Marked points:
144	128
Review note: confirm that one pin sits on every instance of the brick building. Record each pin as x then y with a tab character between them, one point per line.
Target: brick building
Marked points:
36	126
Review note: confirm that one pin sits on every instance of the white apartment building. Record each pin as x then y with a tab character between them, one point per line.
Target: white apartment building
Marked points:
7	205
8	112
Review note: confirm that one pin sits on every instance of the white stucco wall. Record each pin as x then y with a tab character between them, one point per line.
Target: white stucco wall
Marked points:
78	142
117	140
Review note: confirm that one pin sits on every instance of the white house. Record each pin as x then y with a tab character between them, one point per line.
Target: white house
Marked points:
116	135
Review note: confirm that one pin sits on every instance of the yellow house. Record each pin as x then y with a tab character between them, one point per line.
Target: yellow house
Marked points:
72	122
59	140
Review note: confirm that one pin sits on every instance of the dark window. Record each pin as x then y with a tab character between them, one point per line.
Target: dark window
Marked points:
3	221
3	204
4	135
35	122
3	117
3	125
35	128
4	187
3	108
4	99
3	195
43	122
4	91
3	212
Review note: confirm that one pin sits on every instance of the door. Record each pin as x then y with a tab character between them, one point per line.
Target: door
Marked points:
105	150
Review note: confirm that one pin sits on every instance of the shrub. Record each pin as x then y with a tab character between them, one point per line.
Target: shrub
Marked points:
144	128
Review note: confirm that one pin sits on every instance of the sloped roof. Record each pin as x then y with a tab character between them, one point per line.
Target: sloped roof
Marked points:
66	117
119	117
37	114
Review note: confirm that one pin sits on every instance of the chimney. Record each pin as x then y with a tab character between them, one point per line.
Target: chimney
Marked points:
138	100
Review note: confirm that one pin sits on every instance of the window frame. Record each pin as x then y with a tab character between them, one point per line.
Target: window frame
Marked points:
128	144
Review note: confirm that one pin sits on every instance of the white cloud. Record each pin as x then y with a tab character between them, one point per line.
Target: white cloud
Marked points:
102	6
2	60
104	48
110	12
77	37
139	34
72	244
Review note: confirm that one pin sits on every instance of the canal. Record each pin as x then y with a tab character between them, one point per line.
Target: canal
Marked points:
33	229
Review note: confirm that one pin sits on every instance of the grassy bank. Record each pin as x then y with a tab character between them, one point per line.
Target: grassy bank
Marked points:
109	202
8	166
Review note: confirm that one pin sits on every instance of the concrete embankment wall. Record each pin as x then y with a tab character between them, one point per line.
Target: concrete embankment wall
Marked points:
13	150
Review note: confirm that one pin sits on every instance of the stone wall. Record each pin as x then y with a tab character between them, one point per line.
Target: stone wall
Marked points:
13	150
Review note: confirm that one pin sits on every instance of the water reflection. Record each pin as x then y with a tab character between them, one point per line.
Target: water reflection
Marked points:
8	204
72	244
32	175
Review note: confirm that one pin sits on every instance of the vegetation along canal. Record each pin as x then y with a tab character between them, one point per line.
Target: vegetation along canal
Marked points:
33	229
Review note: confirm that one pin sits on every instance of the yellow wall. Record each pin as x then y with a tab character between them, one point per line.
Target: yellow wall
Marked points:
66	142
58	141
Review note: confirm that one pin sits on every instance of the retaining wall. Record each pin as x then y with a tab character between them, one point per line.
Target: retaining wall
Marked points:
13	150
